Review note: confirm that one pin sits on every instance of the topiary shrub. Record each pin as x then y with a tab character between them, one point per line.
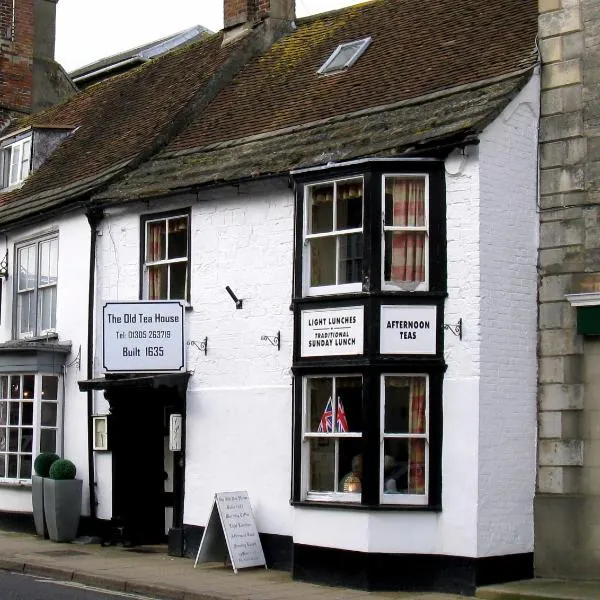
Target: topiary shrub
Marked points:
62	469
43	462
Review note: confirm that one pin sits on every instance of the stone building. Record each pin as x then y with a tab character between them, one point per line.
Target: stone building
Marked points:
567	501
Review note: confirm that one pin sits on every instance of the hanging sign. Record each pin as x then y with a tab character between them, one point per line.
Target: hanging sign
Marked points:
143	336
408	329
231	532
332	331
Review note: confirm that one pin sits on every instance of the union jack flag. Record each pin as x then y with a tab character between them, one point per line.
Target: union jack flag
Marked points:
326	423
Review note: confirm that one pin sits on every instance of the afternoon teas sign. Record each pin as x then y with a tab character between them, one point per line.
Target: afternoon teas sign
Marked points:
332	331
408	329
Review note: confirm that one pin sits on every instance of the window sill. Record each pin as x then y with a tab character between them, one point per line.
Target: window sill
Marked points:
38	338
367	507
372	294
17	484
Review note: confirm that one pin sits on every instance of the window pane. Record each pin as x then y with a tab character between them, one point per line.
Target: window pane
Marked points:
49	414
405	202
322	261
15	386
350	268
349	404
26	314
28	386
178	238
178	274
13	413
26	258
3	466
157	282
322	465
12	465
27	416
3	413
13	440
320	391
49	387
4	386
349	204
26	439
48	440
14	163
404	466
25	467
320	208
3	439
47	311
25	159
405	405
44	263
350	466
404	257
155	241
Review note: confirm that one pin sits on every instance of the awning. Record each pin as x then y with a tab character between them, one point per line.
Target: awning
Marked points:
136	380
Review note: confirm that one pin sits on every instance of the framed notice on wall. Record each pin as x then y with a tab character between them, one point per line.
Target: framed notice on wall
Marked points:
408	329
332	331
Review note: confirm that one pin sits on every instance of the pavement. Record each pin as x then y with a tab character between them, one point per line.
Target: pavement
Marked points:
150	571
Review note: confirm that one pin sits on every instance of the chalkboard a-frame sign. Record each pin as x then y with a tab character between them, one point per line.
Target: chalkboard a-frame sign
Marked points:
231	530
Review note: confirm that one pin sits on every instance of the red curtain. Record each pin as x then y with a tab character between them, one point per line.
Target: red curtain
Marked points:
416	449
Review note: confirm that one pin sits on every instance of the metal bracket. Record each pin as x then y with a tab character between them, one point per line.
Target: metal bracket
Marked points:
202	346
455	329
75	361
274	340
4	266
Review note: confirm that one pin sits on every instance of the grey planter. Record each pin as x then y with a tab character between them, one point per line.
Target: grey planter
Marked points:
37	499
62	508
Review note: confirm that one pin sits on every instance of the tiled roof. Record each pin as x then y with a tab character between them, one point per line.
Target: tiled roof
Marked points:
418	47
433	63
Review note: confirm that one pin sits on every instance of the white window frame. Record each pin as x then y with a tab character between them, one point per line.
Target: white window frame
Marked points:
37	425
404	499
167	261
36	331
361	46
307	435
16	162
389	285
337	288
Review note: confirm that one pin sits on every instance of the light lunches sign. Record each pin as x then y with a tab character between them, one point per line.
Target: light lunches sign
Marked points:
332	331
143	336
408	329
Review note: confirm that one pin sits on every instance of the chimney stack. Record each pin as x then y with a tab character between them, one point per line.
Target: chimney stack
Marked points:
246	13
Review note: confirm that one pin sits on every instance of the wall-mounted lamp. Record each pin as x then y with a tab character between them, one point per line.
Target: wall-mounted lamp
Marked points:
238	302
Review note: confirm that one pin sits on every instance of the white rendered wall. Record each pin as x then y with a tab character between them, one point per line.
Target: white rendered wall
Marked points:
71	325
507	413
239	400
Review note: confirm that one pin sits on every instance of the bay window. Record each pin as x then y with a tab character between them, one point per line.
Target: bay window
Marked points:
29	422
166	257
37	279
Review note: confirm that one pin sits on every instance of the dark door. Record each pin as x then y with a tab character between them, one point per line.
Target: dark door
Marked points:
138	429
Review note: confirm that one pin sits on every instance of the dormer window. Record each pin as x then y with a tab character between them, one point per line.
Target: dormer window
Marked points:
15	162
344	56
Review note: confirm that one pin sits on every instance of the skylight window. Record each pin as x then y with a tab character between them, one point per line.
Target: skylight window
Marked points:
344	56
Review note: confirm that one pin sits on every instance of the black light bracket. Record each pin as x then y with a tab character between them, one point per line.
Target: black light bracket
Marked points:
274	340
4	266
238	302
202	346
456	329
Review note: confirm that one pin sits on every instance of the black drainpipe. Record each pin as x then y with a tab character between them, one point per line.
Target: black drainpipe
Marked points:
94	217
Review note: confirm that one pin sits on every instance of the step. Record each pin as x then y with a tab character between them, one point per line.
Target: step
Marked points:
541	589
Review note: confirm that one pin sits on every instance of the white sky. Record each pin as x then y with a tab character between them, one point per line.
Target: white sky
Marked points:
87	30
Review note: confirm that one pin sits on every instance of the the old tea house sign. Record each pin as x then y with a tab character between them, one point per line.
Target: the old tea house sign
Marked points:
143	337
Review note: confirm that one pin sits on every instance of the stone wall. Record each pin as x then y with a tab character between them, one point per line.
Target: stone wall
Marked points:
569	259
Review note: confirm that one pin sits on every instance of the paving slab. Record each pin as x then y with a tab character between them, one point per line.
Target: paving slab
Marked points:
542	589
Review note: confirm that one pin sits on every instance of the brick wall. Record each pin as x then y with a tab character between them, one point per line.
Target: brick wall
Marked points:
16	56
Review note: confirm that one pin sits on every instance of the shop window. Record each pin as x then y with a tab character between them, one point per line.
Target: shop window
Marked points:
334	237
166	258
15	162
37	279
29	418
405	232
332	438
404	438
